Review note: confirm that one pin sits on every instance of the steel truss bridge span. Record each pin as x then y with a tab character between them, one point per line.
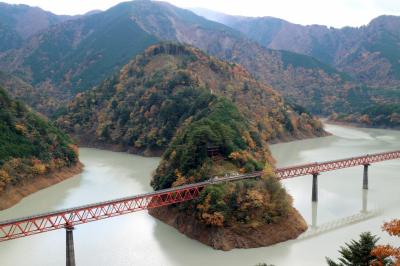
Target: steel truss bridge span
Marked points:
69	218
316	168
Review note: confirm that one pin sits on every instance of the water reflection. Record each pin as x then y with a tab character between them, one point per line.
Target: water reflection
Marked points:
364	200
314	210
340	223
314	215
363	215
171	242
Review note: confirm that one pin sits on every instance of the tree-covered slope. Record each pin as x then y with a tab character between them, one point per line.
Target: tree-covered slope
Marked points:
20	90
298	77
368	56
74	56
374	58
379	115
369	53
177	101
143	105
245	210
29	145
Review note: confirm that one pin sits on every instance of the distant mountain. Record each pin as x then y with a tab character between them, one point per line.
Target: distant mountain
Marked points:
141	108
19	22
369	53
92	12
76	55
302	78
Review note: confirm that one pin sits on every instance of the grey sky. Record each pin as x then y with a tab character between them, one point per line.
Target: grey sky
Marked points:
335	13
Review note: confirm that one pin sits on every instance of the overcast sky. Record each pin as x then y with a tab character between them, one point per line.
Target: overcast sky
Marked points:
335	13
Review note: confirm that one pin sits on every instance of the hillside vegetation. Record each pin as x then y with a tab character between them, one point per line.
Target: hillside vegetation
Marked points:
21	90
76	55
186	161
369	53
73	56
383	116
350	69
178	101
368	58
29	145
141	107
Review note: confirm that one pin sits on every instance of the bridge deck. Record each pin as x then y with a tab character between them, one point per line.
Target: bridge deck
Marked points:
31	225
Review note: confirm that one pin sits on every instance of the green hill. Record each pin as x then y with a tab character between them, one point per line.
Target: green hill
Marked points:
141	107
177	101
29	145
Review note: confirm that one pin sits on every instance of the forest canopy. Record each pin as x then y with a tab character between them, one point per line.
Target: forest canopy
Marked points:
29	145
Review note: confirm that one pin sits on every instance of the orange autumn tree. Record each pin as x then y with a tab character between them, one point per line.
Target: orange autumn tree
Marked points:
388	251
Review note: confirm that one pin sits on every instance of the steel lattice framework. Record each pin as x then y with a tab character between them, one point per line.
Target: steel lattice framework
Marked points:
93	212
316	168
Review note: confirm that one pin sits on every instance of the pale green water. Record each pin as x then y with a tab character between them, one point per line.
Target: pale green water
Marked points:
139	239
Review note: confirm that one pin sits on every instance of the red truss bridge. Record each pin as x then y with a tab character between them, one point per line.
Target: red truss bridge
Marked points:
69	218
316	168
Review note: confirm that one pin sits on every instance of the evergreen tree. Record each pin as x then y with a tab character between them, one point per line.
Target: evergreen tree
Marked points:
357	253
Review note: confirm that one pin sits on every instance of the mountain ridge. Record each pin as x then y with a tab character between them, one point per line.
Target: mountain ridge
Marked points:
53	63
350	49
18	22
76	55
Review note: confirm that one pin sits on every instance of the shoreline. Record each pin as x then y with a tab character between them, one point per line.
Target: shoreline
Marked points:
358	125
83	142
237	237
14	194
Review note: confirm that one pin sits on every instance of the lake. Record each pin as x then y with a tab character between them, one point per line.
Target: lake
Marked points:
344	209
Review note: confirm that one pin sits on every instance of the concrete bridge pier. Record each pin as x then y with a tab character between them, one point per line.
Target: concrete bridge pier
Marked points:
365	176
70	246
314	196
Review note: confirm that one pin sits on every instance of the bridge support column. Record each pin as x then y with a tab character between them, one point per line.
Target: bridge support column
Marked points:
315	187
365	177
70	246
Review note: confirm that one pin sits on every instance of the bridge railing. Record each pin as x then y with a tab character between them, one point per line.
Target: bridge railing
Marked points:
70	217
92	212
314	168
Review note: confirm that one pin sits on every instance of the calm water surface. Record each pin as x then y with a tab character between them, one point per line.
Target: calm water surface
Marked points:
343	212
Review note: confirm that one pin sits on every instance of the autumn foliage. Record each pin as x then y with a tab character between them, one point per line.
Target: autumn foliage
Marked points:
178	101
388	251
148	100
29	145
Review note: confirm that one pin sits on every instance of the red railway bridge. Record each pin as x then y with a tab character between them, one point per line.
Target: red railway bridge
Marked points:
69	218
